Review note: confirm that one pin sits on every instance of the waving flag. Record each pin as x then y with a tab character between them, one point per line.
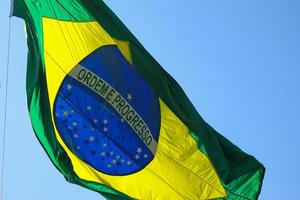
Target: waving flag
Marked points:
112	120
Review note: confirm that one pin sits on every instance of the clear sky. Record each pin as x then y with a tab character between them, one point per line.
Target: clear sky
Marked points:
238	61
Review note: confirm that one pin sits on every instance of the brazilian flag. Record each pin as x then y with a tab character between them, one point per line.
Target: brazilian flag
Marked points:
112	120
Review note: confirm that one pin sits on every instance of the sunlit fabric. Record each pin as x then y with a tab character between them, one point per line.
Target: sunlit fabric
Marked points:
112	120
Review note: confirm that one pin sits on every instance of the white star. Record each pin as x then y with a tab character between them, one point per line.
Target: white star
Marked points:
105	121
145	156
111	153
109	165
95	121
72	111
139	150
103	153
78	147
104	145
75	136
69	127
128	163
91	138
118	157
137	157
56	114
89	107
69	86
129	97
114	161
92	129
122	120
105	129
74	123
122	161
65	113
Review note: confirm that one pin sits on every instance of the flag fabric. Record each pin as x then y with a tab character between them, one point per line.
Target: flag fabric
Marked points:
112	120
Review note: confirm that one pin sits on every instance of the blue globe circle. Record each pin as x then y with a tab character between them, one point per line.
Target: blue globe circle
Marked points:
107	114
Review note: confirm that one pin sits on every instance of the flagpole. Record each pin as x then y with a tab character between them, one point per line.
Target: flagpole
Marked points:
5	108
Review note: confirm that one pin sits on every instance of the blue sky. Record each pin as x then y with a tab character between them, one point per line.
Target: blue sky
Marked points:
238	61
